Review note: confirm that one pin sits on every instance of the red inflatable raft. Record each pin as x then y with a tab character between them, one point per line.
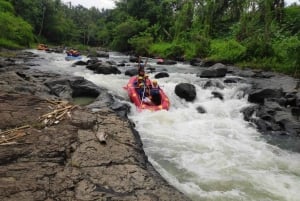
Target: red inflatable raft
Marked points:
135	98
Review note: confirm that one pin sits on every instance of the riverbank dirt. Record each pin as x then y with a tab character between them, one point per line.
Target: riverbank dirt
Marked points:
66	160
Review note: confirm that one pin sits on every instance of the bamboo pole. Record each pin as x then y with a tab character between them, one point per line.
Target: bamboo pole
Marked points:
15	129
14	137
56	111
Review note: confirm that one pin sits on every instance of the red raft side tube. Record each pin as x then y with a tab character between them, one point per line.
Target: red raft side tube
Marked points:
134	97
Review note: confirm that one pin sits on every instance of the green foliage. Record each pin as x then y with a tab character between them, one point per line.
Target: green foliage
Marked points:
159	49
167	50
14	30
183	20
6	7
287	53
285	57
60	29
260	33
31	11
175	51
227	51
258	48
291	21
141	44
126	30
8	44
200	43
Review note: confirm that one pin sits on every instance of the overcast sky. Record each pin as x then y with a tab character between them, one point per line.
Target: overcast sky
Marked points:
90	3
110	3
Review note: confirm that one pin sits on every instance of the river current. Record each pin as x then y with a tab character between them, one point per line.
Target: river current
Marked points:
212	156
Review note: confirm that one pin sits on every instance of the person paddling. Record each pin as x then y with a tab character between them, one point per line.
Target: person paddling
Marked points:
141	67
155	96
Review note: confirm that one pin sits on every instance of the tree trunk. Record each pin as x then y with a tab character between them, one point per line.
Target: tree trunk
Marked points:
42	23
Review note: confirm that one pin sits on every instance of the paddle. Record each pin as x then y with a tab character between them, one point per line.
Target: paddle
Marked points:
143	95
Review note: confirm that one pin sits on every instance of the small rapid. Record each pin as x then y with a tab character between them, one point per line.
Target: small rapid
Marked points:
210	156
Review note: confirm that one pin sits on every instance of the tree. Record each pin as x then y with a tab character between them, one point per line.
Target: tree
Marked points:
13	29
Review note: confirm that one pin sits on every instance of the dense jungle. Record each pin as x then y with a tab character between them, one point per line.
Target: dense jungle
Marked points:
249	33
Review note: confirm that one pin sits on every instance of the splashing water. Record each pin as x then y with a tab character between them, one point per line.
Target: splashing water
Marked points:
208	156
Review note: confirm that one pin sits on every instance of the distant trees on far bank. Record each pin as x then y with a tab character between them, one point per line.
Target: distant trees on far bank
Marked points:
256	33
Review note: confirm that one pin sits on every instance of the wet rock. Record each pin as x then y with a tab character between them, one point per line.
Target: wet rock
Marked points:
248	112
196	62
69	87
79	63
186	91
91	61
207	63
233	80
259	96
151	69
161	75
134	59
213	83
166	62
131	72
217	94
217	70
201	109
103	68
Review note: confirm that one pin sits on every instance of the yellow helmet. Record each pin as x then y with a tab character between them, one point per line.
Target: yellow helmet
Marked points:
154	81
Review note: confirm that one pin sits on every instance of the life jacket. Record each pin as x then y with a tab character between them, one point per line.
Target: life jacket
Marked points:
148	82
154	89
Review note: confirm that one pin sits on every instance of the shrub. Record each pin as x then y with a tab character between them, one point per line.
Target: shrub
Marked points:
287	52
8	44
15	29
126	30
175	51
141	44
6	7
167	50
159	49
226	51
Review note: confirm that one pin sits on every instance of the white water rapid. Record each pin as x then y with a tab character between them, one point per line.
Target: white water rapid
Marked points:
214	156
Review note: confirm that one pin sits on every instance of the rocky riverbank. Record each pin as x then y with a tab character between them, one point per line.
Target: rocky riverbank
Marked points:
89	154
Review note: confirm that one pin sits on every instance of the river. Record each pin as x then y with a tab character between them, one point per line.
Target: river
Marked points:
213	156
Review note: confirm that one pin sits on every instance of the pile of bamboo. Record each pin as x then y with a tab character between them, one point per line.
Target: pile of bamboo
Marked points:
12	134
60	110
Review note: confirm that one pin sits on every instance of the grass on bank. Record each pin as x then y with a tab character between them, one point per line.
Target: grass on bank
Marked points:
279	55
8	44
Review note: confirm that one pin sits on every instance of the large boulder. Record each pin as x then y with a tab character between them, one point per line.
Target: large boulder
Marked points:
131	72
217	70
259	95
161	75
103	68
69	87
79	63
195	62
186	91
134	59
